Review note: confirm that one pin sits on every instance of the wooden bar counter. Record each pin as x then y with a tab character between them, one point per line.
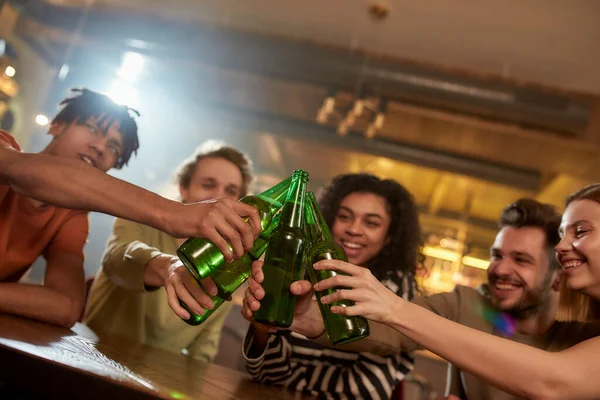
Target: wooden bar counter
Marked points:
54	362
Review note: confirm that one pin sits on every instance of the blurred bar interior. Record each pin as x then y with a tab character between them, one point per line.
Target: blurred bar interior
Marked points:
470	107
467	124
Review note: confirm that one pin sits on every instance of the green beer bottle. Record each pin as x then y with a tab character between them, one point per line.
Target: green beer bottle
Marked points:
284	258
230	278
201	257
340	329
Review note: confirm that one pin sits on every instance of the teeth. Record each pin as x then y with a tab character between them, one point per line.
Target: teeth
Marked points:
352	245
505	286
87	160
572	264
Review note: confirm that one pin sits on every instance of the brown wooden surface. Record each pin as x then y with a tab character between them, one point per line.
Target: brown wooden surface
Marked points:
58	363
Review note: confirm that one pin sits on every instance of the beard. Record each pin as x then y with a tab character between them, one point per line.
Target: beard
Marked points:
531	301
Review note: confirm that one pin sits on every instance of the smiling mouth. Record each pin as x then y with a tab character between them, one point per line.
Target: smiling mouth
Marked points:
87	160
569	265
505	286
352	245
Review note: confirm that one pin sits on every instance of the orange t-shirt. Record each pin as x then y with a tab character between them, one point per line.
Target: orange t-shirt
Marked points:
28	231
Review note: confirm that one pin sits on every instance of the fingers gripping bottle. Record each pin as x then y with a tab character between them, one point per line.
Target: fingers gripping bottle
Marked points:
284	258
201	257
340	329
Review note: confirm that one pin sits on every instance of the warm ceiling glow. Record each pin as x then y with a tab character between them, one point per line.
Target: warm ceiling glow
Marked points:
440	253
475	262
454	256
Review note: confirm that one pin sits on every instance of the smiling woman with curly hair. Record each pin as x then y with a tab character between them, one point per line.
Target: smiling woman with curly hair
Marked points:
399	257
376	222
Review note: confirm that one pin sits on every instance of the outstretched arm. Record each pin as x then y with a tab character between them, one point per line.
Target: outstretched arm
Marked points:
515	368
73	184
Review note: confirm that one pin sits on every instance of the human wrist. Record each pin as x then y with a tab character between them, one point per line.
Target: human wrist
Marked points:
260	340
316	333
398	315
163	217
311	324
157	271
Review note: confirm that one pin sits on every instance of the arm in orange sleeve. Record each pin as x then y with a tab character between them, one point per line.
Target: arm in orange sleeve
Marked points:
60	300
70	183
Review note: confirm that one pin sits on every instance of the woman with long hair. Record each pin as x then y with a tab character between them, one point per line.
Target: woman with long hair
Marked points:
376	222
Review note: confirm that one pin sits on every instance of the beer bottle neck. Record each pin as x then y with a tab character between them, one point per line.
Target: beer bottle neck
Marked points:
293	208
261	243
274	196
321	229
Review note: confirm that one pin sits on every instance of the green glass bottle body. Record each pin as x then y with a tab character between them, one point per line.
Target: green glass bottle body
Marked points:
229	279
202	258
232	276
284	258
340	329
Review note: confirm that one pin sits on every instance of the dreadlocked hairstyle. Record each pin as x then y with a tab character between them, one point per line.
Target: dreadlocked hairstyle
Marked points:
88	104
402	253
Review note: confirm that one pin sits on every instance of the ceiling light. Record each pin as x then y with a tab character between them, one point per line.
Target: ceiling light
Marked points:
475	262
10	71
41	120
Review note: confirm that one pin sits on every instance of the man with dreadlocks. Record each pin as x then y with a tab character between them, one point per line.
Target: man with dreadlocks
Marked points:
44	199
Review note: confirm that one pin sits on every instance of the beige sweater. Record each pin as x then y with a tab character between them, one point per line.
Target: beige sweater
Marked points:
120	304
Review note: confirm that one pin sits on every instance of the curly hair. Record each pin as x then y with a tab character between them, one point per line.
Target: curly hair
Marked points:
402	253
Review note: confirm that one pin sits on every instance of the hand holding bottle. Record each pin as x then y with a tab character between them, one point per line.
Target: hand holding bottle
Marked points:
372	299
221	221
307	319
168	271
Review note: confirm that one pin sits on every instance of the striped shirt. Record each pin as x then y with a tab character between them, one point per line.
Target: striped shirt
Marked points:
295	362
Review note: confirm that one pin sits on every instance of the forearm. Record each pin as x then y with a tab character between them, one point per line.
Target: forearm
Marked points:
40	303
156	270
129	263
260	340
516	368
383	340
73	184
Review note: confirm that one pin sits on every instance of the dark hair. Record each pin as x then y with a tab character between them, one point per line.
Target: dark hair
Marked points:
531	213
402	253
213	148
88	104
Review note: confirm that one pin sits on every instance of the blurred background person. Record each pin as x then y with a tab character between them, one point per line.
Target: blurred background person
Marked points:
127	298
